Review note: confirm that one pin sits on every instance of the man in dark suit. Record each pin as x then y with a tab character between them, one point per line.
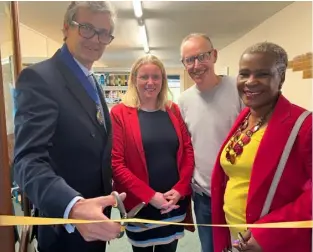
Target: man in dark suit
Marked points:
63	135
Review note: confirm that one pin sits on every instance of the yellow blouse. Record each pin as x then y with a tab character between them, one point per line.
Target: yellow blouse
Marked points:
236	193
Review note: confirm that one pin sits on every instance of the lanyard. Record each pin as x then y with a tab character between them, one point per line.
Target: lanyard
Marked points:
67	58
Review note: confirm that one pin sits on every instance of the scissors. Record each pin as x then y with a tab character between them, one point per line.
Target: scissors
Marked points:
124	215
241	241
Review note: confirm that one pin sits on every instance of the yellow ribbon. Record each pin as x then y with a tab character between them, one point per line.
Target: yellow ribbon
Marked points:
8	220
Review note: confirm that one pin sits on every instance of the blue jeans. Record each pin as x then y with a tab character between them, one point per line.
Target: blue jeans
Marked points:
202	208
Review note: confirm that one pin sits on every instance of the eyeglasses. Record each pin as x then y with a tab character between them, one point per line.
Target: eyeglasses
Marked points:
88	32
202	57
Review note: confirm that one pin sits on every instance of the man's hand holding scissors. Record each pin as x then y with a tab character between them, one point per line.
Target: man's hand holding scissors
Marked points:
92	209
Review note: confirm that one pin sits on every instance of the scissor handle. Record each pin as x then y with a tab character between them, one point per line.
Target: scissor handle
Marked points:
120	206
123	227
119	203
121	234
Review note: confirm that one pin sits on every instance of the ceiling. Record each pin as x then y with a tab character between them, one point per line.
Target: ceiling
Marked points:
167	22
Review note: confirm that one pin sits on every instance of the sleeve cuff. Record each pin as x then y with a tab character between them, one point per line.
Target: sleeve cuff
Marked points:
69	227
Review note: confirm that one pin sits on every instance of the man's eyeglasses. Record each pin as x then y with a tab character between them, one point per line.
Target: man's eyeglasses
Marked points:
202	57
88	32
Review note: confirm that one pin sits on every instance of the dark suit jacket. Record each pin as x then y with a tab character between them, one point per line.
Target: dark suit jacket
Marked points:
61	151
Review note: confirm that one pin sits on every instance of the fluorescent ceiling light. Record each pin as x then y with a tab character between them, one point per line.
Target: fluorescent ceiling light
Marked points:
137	8
144	38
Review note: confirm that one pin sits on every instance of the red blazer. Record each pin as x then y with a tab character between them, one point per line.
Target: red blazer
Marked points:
129	167
293	198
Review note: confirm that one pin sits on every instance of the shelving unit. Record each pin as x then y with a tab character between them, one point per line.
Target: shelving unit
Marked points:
114	85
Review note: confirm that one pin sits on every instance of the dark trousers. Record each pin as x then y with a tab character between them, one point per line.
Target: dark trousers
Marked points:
171	247
57	239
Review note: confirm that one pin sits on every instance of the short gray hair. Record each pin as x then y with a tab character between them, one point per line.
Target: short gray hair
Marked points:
94	6
279	54
195	35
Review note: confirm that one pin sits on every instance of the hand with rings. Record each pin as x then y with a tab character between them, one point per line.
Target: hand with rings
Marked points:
246	242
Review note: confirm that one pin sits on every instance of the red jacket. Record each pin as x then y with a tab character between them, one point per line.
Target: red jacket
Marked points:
293	198
129	167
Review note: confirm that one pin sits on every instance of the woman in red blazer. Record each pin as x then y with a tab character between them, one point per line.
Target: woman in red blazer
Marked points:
152	157
250	155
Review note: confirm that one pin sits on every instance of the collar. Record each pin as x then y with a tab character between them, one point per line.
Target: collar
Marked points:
83	68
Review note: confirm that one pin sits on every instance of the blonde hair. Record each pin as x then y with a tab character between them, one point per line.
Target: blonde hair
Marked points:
131	97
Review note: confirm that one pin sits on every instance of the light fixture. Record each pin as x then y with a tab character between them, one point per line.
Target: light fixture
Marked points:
144	38
142	28
137	8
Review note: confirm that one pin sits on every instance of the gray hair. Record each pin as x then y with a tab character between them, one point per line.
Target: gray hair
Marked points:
94	6
195	35
279	54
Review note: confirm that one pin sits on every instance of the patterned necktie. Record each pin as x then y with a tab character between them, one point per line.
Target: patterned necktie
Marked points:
91	78
92	81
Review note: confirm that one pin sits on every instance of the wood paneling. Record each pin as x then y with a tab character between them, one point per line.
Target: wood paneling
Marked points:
16	39
6	233
307	74
302	63
10	147
7	240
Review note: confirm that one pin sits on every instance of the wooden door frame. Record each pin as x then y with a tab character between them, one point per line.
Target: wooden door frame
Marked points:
7	240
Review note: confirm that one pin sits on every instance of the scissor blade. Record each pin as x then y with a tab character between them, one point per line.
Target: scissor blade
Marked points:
132	213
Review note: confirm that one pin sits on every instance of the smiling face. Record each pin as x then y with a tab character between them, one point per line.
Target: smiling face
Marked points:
199	57
149	82
259	80
87	51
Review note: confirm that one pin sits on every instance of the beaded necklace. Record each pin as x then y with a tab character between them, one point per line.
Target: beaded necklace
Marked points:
236	143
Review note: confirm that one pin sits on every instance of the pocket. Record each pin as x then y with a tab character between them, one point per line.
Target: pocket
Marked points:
49	237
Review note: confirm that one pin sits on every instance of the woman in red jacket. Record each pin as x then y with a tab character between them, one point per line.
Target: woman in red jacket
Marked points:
152	157
249	158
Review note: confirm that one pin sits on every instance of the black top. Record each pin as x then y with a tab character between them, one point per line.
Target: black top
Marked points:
160	145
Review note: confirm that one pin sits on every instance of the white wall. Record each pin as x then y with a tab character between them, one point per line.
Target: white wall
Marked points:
36	46
292	29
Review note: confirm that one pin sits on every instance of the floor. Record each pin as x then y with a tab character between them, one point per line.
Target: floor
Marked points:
190	243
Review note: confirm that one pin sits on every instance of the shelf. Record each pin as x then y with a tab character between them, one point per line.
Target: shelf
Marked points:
115	88
115	73
113	80
112	102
